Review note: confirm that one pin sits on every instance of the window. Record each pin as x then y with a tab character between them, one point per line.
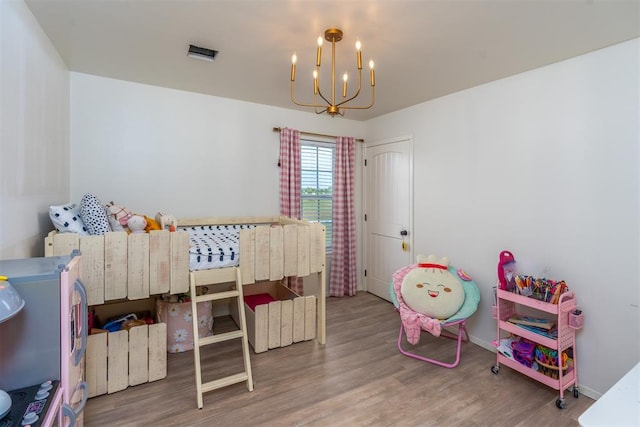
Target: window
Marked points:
317	160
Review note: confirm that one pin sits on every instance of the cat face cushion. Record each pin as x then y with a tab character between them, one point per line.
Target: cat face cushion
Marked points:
431	289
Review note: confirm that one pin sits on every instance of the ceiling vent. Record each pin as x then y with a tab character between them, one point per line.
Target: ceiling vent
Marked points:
202	53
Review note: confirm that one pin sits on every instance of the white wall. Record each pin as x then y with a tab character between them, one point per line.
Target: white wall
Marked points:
34	131
544	164
155	149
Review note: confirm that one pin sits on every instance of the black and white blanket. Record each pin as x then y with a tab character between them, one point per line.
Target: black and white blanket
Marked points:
214	246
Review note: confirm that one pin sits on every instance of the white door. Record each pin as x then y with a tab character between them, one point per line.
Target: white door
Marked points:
388	203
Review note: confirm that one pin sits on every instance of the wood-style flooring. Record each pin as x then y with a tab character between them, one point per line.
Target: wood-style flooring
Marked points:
357	379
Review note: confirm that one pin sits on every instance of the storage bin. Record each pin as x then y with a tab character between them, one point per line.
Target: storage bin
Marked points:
178	317
576	319
117	360
287	319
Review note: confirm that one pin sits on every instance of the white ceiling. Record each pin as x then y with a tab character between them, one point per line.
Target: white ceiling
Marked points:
422	49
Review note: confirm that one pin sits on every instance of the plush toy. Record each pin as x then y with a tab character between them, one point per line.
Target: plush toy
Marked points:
118	216
137	224
152	224
431	289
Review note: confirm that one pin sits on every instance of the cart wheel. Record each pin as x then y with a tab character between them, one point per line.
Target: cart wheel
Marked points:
560	403
576	393
495	369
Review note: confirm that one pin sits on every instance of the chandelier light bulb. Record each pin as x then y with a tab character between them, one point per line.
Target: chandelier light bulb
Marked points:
358	45
372	74
319	52
345	77
294	59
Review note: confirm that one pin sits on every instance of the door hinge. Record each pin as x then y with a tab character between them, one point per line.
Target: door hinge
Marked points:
365	217
365	273
365	162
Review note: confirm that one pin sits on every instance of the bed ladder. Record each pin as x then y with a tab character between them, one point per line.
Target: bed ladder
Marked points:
202	278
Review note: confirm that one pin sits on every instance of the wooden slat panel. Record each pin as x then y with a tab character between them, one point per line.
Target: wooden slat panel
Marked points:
298	319
261	315
262	252
303	251
286	323
96	364
317	247
309	317
138	266
115	265
179	262
186	222
157	351
92	268
118	361
65	243
276	253
48	243
213	276
247	256
159	262
274	323
290	250
250	320
138	355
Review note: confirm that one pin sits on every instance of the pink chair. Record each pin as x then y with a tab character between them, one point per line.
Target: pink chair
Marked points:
430	325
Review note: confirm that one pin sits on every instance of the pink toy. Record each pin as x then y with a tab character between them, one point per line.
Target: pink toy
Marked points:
506	268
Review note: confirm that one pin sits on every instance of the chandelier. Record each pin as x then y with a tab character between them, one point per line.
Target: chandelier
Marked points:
328	104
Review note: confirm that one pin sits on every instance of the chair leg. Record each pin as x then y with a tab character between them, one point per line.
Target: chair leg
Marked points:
461	329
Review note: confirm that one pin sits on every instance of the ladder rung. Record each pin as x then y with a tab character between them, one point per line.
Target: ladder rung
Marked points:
219	338
223	382
217	296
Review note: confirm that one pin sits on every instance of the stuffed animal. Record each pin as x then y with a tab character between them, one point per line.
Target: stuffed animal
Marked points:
431	289
152	224
137	224
118	216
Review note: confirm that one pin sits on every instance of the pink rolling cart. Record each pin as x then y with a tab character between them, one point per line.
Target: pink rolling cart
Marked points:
550	352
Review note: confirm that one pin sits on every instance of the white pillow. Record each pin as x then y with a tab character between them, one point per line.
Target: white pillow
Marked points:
93	215
66	218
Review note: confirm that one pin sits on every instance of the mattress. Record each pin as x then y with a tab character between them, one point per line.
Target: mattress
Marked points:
214	246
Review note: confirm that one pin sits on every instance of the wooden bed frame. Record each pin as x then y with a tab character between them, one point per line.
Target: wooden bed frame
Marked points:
117	266
278	247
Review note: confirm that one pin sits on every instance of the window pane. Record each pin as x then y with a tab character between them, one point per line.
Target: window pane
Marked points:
317	184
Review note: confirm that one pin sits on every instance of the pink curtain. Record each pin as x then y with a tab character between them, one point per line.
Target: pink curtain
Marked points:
290	185
343	278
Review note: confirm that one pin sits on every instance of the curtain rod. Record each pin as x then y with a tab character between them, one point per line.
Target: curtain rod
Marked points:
275	129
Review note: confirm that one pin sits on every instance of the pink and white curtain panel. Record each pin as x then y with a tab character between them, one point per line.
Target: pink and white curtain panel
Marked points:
290	185
343	278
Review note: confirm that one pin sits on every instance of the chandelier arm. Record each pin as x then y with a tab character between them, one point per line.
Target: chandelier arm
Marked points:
373	99
323	97
302	104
